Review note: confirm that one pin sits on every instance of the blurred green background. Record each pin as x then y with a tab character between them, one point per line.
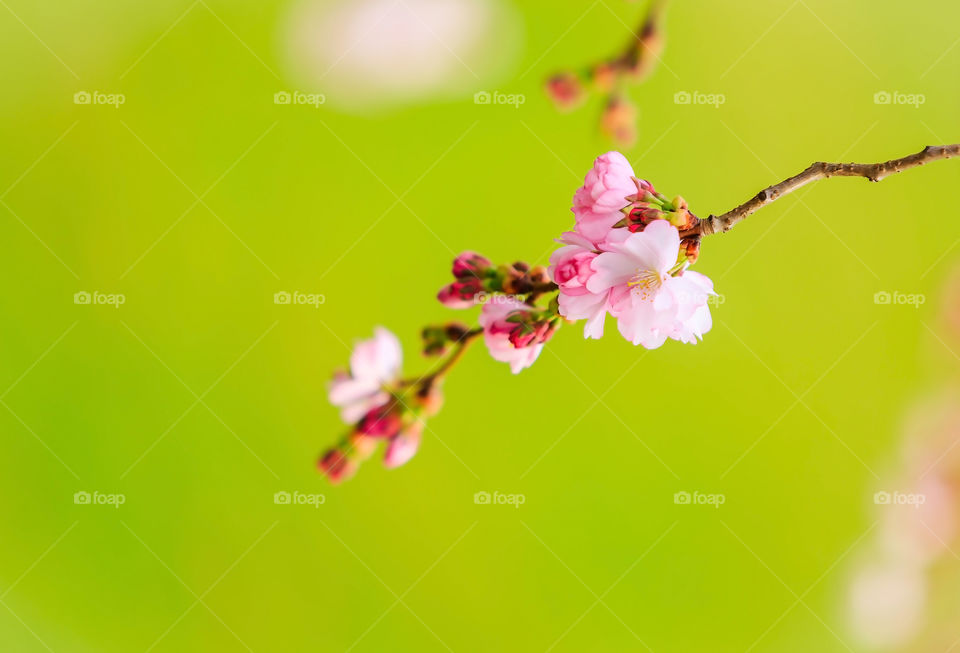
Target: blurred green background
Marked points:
199	398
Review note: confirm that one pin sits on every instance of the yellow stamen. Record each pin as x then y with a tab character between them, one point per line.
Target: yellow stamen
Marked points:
645	283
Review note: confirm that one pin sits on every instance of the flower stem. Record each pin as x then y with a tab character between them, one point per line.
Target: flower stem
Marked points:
458	351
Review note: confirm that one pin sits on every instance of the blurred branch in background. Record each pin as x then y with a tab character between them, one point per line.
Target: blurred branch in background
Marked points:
568	89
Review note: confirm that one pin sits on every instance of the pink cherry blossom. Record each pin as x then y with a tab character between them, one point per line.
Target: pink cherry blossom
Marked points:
500	335
597	203
651	304
403	446
374	363
570	269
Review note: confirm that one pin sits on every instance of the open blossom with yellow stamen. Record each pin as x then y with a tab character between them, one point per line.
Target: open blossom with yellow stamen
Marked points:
652	296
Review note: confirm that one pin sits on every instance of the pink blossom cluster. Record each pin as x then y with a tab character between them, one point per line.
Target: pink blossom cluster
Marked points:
628	256
633	269
513	330
371	399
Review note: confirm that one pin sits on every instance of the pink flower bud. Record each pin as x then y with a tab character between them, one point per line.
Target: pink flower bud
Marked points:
460	294
619	122
508	322
566	90
470	264
336	466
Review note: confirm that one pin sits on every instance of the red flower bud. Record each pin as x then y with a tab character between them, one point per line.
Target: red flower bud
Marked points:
381	422
460	294
690	249
566	90
336	466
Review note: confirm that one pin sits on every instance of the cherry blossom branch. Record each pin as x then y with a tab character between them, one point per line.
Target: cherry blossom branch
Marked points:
873	171
609	77
628	257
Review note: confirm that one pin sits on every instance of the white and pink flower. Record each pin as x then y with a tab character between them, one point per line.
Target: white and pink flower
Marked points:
650	302
374	364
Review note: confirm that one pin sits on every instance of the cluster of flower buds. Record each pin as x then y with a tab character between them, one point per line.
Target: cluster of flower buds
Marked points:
475	278
647	205
515	332
399	423
569	89
379	406
526	328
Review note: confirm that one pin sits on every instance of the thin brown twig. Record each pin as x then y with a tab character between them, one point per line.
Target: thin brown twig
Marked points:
873	171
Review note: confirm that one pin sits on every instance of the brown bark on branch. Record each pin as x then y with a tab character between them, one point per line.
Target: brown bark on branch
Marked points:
873	171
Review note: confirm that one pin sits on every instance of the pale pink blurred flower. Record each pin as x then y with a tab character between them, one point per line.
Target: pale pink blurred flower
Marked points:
919	530
597	203
374	364
403	446
887	603
649	303
500	335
